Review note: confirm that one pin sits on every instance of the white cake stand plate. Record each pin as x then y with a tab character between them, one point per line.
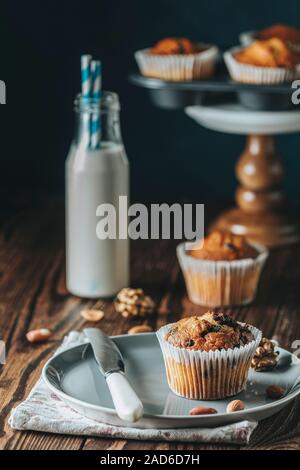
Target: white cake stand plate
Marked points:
235	119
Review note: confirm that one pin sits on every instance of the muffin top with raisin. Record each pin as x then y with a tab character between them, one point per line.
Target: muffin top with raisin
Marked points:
281	31
223	246
272	52
179	46
210	332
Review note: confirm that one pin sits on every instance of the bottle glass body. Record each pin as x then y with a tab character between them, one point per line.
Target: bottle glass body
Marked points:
96	174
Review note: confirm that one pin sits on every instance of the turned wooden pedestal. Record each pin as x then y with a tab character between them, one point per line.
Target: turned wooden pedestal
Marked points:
262	213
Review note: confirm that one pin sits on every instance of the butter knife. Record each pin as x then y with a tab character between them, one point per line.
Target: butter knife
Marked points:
109	359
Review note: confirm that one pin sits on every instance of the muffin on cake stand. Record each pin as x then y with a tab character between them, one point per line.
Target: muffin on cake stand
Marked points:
262	213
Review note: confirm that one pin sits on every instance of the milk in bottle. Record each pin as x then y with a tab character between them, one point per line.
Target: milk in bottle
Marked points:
94	176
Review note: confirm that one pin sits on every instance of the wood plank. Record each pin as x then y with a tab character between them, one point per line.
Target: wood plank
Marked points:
32	253
43	441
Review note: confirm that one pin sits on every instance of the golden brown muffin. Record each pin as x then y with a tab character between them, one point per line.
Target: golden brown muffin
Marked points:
211	332
178	46
208	357
178	59
225	246
272	52
281	31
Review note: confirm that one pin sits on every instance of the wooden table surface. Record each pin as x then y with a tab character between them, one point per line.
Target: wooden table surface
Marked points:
33	295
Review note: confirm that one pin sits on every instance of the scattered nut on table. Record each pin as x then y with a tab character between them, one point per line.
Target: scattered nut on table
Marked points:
39	335
265	357
274	391
92	314
235	405
140	329
202	410
133	303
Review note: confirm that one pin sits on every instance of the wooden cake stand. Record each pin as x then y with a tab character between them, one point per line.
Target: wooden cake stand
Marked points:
262	213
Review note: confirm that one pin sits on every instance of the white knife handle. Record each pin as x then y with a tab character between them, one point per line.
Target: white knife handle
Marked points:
128	405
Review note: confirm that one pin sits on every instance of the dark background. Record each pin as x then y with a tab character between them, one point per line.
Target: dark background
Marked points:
170	155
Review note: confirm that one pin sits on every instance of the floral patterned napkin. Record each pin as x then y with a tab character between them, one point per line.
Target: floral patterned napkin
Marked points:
44	411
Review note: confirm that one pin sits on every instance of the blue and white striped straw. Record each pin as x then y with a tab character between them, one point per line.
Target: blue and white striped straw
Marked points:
95	131
86	89
86	77
96	71
96	95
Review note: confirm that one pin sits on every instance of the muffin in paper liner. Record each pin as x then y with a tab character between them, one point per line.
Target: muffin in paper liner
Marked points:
220	283
245	73
178	67
213	375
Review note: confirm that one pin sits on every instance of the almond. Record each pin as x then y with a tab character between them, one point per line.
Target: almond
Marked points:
140	329
38	336
235	405
202	410
92	314
274	391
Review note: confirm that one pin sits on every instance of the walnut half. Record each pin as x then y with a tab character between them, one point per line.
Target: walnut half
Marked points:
133	303
265	357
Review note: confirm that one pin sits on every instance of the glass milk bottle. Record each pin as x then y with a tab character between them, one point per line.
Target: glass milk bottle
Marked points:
96	174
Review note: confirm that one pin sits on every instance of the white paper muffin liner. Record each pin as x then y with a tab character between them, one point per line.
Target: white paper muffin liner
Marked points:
221	283
245	73
176	66
247	37
201	375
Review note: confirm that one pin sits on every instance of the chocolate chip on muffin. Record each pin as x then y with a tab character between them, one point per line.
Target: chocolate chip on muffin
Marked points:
189	343
224	319
214	329
230	246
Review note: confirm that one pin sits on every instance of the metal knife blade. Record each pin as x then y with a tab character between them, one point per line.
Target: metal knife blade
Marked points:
106	352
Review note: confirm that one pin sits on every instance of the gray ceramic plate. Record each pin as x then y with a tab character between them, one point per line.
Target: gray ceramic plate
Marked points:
73	375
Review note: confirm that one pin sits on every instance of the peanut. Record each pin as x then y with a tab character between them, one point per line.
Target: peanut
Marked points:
140	329
202	410
38	336
92	314
235	405
274	391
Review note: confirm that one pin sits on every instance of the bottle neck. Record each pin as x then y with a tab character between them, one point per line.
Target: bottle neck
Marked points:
97	121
